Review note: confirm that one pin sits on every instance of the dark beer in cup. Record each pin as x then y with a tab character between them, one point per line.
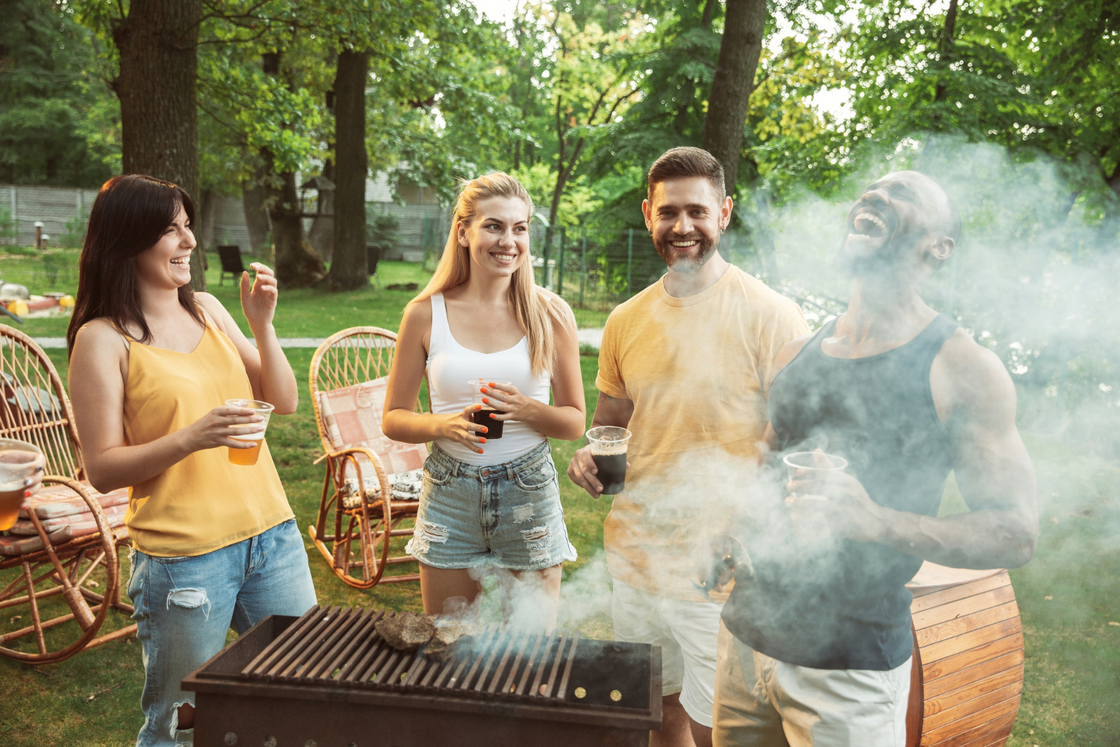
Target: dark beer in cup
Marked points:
608	450
494	427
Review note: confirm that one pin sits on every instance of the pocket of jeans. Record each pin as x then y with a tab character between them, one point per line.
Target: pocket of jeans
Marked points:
536	476
435	472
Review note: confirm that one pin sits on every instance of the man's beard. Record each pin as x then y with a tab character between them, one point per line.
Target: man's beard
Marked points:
682	263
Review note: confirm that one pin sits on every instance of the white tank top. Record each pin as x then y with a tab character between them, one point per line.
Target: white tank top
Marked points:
451	366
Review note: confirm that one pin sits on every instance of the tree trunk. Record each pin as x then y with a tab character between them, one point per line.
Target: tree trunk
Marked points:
157	88
256	217
349	267
321	235
732	84
297	264
205	209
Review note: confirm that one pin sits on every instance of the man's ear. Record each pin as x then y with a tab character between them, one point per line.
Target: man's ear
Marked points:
646	214
941	249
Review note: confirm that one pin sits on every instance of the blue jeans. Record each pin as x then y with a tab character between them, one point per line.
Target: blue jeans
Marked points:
185	606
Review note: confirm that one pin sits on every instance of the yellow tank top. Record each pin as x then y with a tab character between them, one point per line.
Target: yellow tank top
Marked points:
202	503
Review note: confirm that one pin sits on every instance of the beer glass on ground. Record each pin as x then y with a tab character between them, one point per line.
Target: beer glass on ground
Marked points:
19	460
608	449
494	428
247	457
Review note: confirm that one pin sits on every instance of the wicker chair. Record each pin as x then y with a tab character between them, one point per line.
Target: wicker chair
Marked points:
68	556
367	499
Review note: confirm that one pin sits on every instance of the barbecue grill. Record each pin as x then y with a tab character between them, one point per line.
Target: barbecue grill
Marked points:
328	679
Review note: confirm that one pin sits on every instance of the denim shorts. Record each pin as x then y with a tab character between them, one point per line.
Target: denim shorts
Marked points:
506	515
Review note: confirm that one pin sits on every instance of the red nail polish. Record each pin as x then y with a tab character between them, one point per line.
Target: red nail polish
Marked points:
485	401
482	440
485	429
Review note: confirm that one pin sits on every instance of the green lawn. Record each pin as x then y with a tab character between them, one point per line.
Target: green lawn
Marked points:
1069	595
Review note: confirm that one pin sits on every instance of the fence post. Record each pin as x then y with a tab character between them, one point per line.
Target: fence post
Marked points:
547	251
629	260
582	262
560	264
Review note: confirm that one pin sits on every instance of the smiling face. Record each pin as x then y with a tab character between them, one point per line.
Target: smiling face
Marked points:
685	217
497	237
903	216
167	263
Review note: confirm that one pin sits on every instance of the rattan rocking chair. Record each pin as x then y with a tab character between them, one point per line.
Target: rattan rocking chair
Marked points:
361	510
67	557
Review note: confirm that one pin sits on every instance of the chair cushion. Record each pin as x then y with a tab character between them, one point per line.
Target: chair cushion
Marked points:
64	515
352	417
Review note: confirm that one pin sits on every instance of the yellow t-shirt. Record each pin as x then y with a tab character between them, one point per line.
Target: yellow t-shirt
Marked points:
696	369
202	503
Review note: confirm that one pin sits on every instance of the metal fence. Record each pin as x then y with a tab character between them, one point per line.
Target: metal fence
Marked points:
594	272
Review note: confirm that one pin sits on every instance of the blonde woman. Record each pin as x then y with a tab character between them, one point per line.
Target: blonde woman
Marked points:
489	503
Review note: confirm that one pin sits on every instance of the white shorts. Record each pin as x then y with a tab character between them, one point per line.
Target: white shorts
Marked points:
763	702
687	633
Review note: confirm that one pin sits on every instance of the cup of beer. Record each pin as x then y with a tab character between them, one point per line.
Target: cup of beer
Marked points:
494	428
19	460
813	466
249	457
608	449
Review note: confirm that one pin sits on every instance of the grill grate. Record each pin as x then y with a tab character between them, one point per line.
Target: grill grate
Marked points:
340	647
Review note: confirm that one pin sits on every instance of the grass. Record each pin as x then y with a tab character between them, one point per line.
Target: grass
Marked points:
1069	595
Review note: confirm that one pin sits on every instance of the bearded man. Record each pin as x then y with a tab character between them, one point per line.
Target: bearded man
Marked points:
816	643
683	365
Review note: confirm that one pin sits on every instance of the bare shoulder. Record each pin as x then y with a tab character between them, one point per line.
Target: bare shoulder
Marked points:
968	377
97	334
99	347
418	311
212	305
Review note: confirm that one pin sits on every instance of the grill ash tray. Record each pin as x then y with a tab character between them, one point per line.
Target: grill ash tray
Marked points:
328	678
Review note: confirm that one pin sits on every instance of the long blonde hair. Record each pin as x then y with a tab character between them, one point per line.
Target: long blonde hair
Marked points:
533	307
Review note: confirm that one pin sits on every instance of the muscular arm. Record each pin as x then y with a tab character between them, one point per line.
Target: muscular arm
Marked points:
993	470
976	399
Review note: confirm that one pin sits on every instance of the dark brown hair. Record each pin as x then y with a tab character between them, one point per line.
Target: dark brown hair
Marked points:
128	217
685	162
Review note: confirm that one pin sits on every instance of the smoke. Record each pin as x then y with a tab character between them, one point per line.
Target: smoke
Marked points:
1031	279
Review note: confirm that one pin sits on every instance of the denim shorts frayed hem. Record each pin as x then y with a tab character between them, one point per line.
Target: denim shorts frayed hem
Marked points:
504	515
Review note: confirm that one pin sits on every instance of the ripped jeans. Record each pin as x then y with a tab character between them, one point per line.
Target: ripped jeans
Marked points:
504	515
185	606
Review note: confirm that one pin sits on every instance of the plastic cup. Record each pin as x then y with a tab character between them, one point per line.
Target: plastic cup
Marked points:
19	460
804	466
608	449
248	457
494	428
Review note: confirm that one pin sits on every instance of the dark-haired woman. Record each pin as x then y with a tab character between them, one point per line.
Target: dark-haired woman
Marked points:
151	365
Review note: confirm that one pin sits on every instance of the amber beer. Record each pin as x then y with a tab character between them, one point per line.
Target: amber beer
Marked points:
248	457
11	497
18	461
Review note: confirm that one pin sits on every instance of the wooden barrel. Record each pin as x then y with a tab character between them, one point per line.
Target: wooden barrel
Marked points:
968	658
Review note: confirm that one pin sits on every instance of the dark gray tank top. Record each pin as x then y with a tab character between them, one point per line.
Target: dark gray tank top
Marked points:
839	604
